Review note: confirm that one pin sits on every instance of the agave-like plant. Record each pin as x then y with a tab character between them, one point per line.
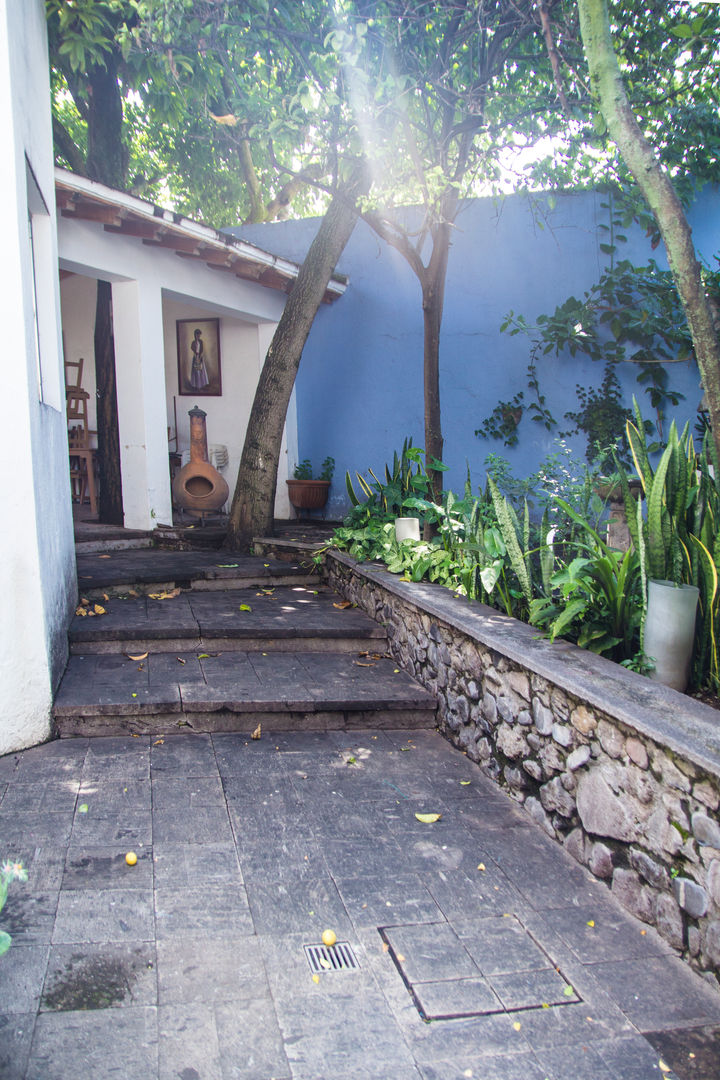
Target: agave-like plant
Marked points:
678	538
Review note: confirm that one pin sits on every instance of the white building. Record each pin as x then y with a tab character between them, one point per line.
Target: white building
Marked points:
164	271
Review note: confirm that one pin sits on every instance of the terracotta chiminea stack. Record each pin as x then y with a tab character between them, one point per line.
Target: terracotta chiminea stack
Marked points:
198	486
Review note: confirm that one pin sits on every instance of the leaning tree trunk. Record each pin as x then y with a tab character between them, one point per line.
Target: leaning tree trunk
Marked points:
655	184
251	513
110	503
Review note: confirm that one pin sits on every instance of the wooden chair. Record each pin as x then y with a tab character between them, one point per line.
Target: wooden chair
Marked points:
81	454
73	368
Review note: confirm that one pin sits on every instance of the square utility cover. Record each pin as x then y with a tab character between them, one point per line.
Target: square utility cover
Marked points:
495	967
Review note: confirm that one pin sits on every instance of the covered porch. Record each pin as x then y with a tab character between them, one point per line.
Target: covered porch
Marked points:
169	277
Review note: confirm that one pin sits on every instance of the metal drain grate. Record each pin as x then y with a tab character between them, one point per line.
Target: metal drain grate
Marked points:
339	957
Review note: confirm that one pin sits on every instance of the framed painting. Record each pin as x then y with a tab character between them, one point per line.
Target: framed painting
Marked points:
198	348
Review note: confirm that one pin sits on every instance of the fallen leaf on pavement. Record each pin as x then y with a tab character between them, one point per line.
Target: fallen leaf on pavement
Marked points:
257	733
245	607
428	819
343	604
140	656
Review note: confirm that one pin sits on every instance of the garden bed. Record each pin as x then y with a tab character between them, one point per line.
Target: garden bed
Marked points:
622	771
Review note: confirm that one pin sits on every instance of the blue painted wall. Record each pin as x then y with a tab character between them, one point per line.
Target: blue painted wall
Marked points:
359	389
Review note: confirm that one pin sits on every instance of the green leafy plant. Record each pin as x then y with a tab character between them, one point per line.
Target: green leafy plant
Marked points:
595	598
406	479
678	537
303	470
9	872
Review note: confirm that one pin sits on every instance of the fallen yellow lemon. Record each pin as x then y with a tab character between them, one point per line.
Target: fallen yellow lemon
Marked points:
131	858
329	938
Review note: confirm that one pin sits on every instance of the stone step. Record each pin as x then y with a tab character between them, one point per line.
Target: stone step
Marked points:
154	570
236	691
98	547
271	618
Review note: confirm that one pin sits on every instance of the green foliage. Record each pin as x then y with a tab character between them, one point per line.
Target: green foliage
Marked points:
407	479
678	538
631	314
561	576
303	470
9	872
596	598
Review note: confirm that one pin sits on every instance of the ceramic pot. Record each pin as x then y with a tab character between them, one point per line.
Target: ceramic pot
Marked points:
670	631
407	528
199	486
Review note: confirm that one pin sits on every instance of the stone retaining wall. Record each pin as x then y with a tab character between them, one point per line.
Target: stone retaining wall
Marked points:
624	773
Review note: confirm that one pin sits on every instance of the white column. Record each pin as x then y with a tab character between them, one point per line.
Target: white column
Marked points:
142	419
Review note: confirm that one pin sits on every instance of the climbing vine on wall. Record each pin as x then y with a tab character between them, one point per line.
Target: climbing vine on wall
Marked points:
632	314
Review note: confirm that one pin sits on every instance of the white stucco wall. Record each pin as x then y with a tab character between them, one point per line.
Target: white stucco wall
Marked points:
37	569
152	288
242	350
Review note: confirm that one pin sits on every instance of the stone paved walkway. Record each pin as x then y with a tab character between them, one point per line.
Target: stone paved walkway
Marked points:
481	949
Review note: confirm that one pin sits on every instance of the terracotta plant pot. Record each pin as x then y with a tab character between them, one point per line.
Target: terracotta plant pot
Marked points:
308	494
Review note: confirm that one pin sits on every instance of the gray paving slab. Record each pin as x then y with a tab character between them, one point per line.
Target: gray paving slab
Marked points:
179	866
16	1032
523	1066
213	970
23	978
117	795
30	919
132	829
216	910
188	1042
193	959
100	976
51	797
104	915
103	1044
183	756
94	867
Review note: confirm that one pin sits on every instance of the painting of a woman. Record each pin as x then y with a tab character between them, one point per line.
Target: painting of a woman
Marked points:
198	372
198	357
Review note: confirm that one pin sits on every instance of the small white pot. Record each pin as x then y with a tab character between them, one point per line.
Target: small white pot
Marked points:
670	631
407	528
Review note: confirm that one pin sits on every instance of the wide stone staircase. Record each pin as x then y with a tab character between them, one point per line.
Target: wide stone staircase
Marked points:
209	641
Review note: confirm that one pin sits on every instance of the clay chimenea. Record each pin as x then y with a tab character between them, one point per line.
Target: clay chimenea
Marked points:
198	486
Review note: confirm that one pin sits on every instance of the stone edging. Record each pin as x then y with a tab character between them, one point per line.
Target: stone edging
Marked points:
623	772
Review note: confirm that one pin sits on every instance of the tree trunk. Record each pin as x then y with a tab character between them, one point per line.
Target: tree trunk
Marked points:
110	505
251	513
107	157
107	163
655	184
433	300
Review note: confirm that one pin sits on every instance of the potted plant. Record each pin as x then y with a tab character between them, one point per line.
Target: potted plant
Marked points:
307	493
